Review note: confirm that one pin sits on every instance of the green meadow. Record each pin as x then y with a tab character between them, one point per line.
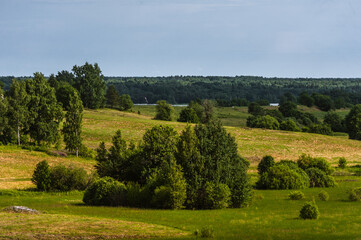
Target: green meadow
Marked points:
271	216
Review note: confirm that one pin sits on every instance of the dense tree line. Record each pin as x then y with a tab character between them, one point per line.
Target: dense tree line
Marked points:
232	91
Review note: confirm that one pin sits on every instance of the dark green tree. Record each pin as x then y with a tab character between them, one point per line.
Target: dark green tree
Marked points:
164	111
222	164
159	146
18	109
323	102
41	176
198	108
63	94
90	84
65	77
334	121
112	96
288	109
208	106
189	157
353	122
73	124
305	99
255	109
115	162
45	114
188	114
125	102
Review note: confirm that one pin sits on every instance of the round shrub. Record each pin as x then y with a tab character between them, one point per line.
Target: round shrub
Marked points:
342	162
319	178
41	176
265	164
292	165
281	176
68	178
289	125
306	161
309	211
105	192
323	196
296	195
355	194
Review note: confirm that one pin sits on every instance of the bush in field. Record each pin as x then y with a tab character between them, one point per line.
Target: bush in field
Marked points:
41	176
289	125
355	194
342	162
296	195
265	164
164	111
215	196
323	129
281	176
105	192
266	122
309	211
318	178
323	196
68	178
306	161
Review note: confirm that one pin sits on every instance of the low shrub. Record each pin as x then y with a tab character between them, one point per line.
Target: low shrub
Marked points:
342	162
323	196
296	195
318	178
309	211
289	125
355	194
105	192
306	161
282	176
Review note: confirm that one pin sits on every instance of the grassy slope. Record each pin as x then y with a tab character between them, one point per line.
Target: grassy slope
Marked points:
273	217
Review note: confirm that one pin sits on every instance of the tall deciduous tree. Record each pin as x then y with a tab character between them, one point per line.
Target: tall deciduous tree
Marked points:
73	124
89	81
18	107
45	114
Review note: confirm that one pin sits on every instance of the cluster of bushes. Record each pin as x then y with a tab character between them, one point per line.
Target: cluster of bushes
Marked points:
198	169
60	177
287	118
306	172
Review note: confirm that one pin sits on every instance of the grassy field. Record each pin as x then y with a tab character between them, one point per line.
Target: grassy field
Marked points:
271	216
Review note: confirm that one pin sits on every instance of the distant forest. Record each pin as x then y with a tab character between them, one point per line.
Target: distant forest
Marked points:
183	89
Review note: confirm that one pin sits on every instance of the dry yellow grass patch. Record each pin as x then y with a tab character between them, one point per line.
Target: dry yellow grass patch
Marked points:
54	226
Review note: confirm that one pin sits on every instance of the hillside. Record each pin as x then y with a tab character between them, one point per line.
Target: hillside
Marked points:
17	164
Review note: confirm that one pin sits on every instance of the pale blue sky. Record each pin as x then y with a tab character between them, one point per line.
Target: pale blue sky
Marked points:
272	38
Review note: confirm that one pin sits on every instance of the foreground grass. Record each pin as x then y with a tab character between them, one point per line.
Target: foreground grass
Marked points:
271	216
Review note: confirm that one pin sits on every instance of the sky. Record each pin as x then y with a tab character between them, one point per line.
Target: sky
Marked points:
270	38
